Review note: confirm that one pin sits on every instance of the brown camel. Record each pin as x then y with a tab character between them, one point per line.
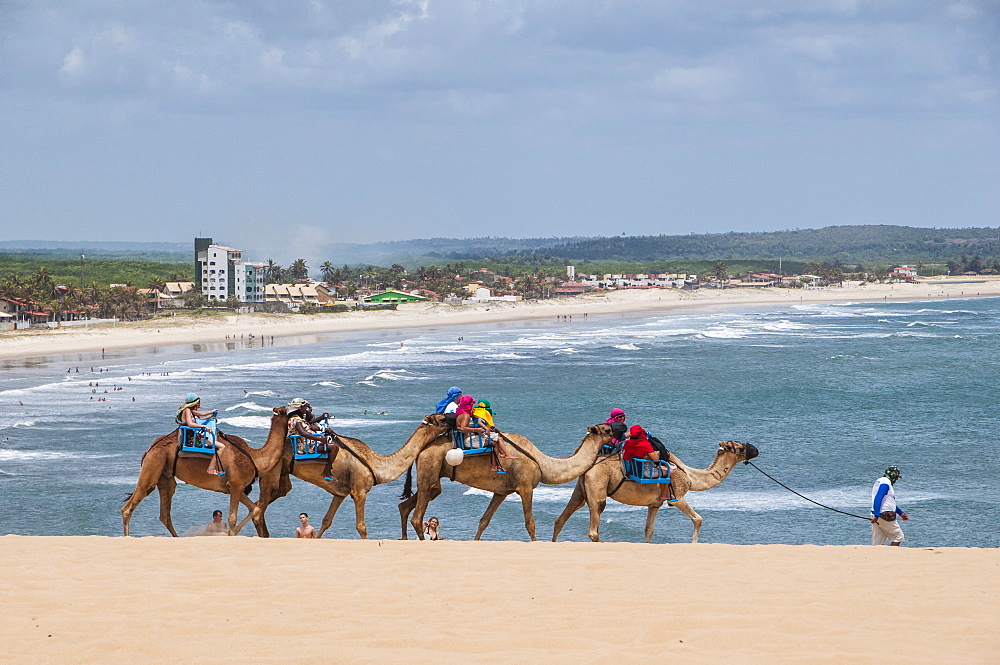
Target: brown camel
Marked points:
606	479
161	466
357	469
523	474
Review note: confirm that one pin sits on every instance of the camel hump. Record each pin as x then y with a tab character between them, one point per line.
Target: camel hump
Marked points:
198	440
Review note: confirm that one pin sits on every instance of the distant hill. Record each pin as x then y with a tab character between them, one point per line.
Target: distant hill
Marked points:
165	252
436	250
847	244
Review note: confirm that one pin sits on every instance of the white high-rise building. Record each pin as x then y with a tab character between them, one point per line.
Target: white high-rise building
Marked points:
221	273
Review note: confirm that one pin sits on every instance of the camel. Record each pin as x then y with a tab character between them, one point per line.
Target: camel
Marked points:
162	466
522	476
606	479
357	470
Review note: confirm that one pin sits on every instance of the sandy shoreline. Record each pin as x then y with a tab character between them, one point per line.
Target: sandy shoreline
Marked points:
213	329
90	599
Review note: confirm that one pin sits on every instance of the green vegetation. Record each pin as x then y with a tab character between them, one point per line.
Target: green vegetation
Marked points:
104	271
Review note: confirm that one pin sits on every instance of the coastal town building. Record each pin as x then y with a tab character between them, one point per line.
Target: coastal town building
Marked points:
623	281
296	295
221	273
393	297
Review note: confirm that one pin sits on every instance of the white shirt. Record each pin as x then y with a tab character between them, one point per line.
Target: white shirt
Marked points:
451	408
888	501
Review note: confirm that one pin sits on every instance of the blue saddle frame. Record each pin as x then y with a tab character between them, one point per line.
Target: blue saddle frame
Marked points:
471	444
311	450
193	439
646	471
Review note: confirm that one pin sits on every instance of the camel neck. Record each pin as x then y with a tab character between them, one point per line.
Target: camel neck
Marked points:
704	479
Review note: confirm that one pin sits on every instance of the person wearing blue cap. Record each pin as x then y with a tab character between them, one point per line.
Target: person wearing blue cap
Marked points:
186	415
450	403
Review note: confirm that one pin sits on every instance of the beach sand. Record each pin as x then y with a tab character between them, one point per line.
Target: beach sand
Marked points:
92	599
295	328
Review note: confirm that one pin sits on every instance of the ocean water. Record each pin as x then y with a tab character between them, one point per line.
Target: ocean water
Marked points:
831	394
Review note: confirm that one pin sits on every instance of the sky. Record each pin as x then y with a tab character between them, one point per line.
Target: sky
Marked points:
270	122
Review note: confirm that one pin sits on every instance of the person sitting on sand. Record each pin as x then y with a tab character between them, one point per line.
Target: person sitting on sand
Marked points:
431	529
302	422
186	415
217	527
304	529
638	446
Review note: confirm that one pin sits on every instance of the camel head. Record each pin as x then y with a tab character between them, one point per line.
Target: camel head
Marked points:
600	430
745	450
280	411
435	420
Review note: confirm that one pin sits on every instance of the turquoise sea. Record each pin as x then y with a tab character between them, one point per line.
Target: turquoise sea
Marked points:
829	393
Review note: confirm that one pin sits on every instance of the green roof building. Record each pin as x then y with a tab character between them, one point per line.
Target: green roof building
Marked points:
393	297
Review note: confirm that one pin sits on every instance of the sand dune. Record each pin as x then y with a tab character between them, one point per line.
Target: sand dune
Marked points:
248	600
303	328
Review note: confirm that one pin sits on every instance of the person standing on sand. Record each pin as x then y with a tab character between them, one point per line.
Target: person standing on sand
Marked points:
304	530
884	510
217	527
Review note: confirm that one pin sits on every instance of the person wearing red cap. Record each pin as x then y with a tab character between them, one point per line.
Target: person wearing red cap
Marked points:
638	446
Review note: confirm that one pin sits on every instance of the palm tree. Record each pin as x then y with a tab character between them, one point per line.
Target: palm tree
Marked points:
298	269
272	272
328	271
721	273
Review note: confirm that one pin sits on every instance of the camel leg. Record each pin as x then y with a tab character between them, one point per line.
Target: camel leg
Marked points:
405	508
593	529
529	514
330	513
576	502
166	487
255	514
423	500
683	506
142	490
650	522
359	513
235	496
491	509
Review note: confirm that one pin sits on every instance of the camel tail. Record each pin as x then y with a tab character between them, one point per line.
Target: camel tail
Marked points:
407	485
127	497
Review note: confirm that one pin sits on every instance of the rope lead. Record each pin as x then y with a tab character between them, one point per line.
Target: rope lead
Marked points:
803	496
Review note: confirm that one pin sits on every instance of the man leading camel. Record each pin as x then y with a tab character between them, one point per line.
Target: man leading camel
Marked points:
884	510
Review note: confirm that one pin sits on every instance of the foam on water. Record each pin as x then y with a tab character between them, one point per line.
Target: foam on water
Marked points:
249	406
249	422
10	455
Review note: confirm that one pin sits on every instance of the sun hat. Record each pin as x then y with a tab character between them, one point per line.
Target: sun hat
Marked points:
296	404
191	397
454	390
617	412
485	404
893	474
636	432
